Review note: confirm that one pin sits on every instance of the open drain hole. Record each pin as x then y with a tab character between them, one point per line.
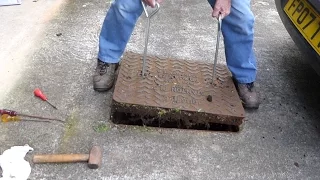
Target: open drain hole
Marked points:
135	120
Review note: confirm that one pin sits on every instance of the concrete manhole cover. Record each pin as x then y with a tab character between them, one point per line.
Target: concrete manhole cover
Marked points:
175	94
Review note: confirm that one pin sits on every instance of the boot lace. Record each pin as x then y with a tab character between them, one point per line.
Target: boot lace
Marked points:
250	86
102	67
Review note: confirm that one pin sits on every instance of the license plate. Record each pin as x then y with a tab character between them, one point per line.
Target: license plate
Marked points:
307	21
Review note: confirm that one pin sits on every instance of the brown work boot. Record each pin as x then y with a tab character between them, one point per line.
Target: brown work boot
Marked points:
104	76
248	95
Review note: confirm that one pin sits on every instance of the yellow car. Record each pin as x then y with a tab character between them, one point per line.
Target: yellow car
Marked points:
302	21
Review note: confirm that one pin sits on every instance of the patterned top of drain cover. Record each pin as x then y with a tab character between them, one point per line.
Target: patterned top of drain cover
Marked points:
174	83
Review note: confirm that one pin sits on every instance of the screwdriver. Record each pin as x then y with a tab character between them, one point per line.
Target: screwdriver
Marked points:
15	113
37	92
8	118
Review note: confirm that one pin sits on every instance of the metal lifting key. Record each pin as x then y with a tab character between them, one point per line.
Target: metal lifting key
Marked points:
217	48
147	32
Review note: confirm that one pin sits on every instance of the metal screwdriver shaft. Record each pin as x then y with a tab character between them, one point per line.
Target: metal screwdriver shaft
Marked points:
37	92
40	117
147	33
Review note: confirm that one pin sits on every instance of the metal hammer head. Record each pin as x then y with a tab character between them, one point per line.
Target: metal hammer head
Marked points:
95	157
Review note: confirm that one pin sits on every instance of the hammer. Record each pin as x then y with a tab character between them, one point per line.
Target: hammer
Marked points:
94	158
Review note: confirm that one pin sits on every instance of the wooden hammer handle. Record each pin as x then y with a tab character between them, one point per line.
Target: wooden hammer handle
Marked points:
60	158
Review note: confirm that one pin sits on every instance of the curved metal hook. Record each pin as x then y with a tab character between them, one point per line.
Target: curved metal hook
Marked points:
217	48
153	12
147	33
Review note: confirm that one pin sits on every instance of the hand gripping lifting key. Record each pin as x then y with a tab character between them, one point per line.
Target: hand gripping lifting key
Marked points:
147	33
217	48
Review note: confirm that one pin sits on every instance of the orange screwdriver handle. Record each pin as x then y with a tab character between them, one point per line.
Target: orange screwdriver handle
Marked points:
37	92
8	118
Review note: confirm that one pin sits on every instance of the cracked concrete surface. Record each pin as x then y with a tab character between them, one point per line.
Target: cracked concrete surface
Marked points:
279	141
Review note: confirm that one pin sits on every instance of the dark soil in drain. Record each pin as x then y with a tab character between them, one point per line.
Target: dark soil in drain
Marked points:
170	118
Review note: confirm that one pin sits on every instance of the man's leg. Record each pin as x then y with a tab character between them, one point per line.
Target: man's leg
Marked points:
115	34
238	33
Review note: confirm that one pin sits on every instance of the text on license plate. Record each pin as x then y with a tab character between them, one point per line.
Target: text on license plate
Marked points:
306	19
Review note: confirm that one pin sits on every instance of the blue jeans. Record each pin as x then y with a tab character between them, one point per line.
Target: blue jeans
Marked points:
237	30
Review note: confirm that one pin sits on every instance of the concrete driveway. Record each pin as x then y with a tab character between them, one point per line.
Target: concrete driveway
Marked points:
279	141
